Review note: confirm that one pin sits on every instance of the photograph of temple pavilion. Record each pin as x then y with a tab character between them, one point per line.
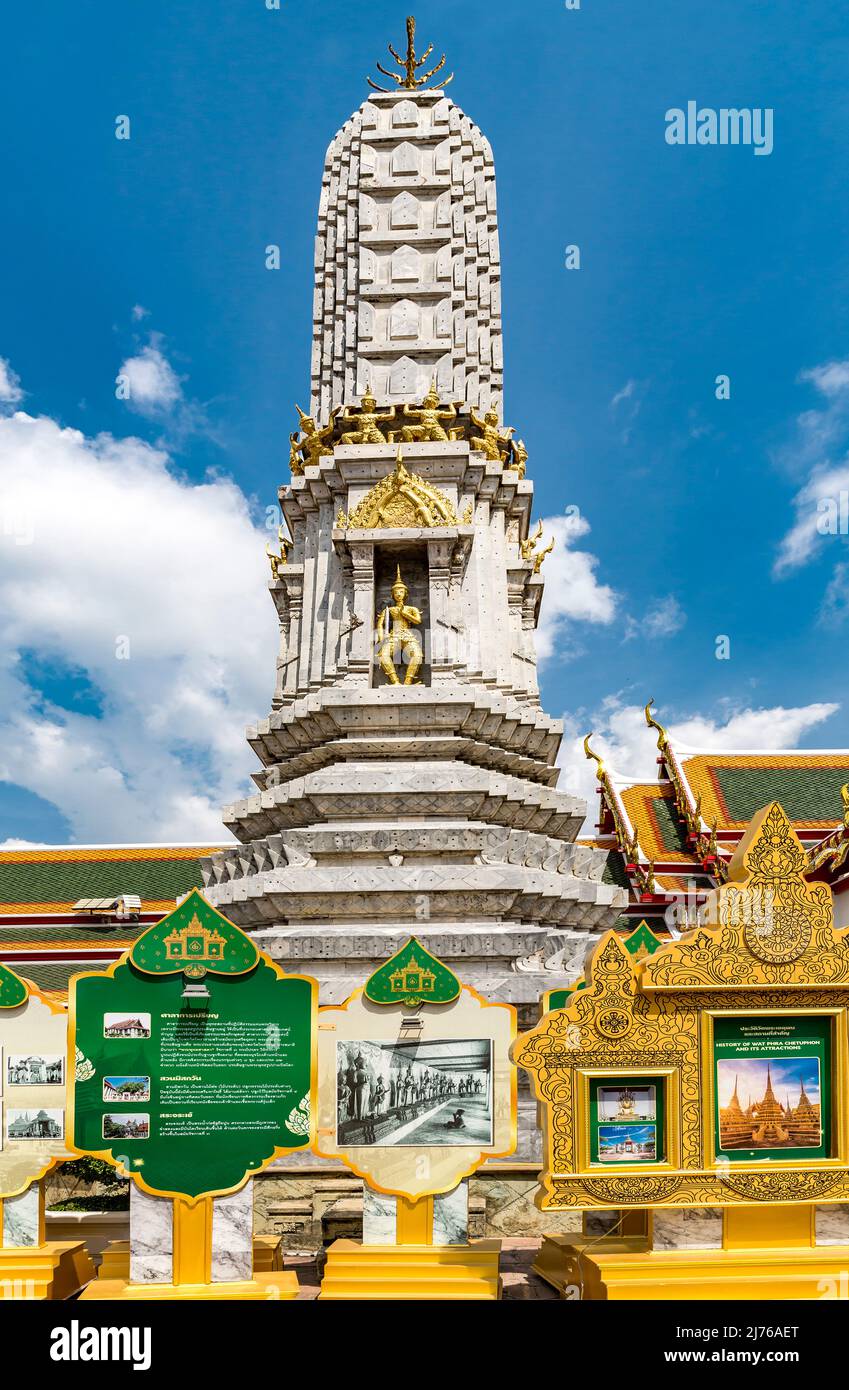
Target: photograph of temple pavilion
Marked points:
767	1123
35	1124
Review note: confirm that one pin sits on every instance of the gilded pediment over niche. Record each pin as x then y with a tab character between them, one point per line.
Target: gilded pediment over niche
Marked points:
402	500
766	926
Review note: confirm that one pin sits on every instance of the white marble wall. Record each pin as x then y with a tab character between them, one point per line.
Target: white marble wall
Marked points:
151	1238
378	1217
20	1218
450	1217
832	1225
232	1236
699	1229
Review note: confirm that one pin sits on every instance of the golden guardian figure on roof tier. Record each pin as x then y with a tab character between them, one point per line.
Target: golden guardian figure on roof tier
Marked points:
402	617
491	441
366	418
315	442
429	417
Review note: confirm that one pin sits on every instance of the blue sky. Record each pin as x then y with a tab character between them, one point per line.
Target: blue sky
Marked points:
695	515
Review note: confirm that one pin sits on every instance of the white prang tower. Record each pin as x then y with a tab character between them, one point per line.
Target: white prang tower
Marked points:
408	782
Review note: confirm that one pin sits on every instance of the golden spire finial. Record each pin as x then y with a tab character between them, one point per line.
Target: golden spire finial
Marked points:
411	65
662	735
600	768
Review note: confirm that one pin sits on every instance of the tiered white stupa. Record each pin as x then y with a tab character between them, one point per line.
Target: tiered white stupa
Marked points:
384	810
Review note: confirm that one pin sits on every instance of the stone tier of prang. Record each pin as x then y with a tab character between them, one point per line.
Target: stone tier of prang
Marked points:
385	811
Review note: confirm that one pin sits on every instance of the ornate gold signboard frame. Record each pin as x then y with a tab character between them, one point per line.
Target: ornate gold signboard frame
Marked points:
768	952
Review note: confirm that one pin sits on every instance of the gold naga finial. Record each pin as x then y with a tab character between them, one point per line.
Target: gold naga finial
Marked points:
527	547
662	735
844	797
540	557
411	65
600	768
280	561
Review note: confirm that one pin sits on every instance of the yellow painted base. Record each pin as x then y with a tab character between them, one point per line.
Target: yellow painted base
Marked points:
55	1270
558	1263
414	1272
272	1286
618	1272
115	1261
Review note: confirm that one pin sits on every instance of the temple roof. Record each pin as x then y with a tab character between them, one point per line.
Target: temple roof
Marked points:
52	878
41	937
678	833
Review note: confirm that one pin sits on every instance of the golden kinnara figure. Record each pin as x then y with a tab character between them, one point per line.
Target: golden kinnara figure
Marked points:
394	632
491	441
429	416
314	442
367	419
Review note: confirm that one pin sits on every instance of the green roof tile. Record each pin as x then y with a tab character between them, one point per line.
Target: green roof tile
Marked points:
672	835
51	881
806	793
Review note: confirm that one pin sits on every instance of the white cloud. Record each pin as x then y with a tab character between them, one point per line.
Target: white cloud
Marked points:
10	385
625	394
818	509
662	618
140	312
818	449
835	605
110	545
572	591
152	385
629	747
625	407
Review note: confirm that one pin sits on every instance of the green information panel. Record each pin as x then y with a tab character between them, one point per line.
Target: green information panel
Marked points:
772	1087
192	1086
627	1120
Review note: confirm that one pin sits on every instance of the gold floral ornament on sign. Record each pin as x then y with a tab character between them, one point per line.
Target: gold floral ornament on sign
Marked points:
402	500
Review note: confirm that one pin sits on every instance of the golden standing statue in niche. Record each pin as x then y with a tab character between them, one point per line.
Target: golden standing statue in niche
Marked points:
429	416
366	418
401	616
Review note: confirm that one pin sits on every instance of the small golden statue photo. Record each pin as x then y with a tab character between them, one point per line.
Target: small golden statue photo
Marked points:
394	624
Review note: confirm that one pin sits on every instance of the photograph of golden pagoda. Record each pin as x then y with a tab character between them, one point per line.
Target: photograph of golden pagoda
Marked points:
761	1120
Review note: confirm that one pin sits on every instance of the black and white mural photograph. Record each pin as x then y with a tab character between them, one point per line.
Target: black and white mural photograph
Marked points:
429	1094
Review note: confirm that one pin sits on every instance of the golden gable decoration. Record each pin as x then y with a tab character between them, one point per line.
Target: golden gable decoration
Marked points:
766	926
402	500
763	982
